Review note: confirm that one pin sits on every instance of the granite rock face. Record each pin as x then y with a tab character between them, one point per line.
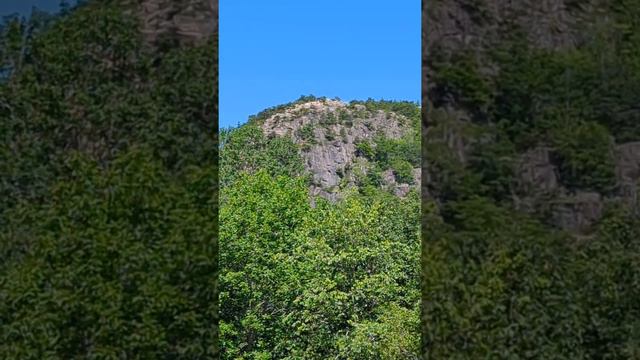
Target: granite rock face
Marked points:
536	171
538	188
186	22
575	211
476	24
579	212
472	27
537	180
328	132
628	173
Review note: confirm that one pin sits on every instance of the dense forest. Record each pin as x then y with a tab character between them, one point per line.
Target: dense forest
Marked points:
327	276
532	242
108	183
531	156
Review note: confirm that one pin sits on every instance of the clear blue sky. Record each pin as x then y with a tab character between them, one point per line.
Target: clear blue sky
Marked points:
271	52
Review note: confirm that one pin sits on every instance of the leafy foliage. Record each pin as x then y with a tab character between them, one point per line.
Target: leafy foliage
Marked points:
365	149
247	149
96	91
108	188
309	282
388	150
499	282
265	114
306	133
504	285
462	78
586	156
403	171
117	261
408	109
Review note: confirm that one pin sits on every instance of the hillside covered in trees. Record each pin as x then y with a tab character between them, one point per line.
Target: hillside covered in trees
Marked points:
319	232
532	150
108	200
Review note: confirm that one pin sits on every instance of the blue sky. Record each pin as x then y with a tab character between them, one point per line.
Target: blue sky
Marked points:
271	52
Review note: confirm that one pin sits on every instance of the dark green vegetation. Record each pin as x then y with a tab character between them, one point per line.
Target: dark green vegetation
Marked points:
107	192
505	277
247	149
500	285
329	281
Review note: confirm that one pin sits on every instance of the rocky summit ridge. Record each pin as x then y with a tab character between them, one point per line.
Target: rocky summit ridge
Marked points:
341	145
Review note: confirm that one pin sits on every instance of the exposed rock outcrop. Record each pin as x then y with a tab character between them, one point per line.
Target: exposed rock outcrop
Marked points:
328	132
469	29
186	22
535	171
628	173
476	24
453	130
537	181
577	213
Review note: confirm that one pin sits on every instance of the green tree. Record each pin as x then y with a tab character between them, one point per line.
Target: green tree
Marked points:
586	156
305	282
247	149
118	261
403	171
108	178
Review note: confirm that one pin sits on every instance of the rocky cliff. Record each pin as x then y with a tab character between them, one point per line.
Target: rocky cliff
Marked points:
462	27
346	146
328	132
184	22
476	96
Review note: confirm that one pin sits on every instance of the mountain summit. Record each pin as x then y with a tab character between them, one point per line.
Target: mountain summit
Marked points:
341	147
